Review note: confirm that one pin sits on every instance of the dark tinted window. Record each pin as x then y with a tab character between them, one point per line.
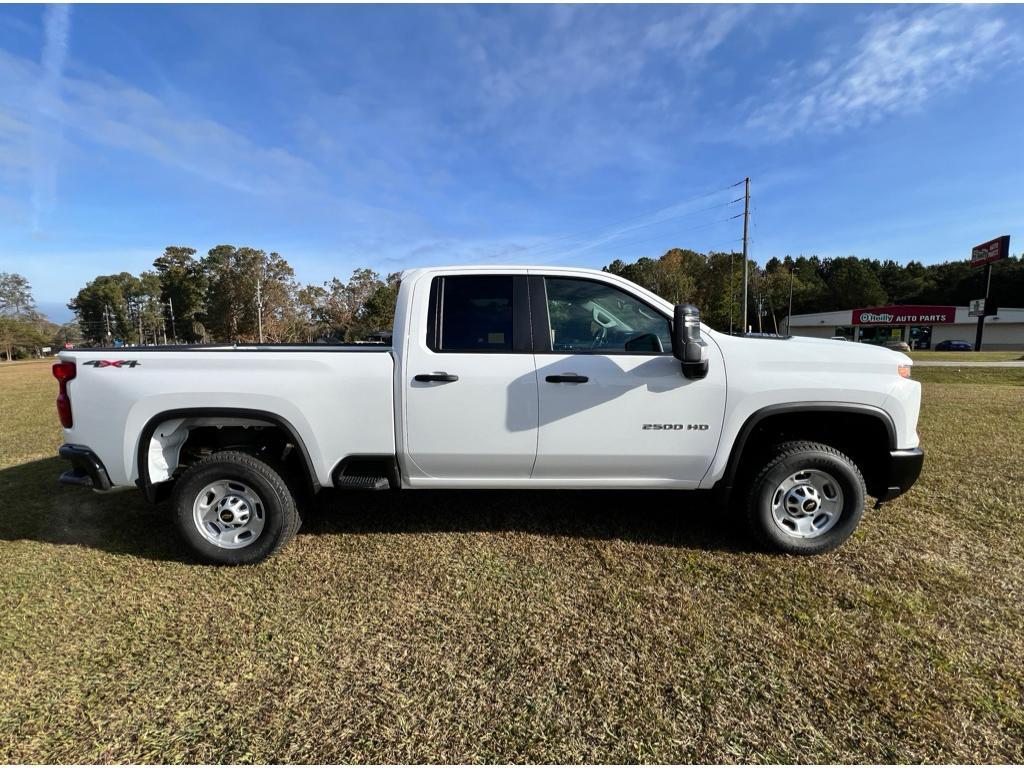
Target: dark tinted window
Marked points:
475	316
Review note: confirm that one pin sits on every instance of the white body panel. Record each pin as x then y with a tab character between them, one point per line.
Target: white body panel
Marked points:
480	431
482	426
595	430
501	425
338	402
766	372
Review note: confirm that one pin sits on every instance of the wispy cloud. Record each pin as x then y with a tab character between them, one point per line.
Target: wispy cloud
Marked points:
113	113
902	61
47	128
697	33
590	87
41	104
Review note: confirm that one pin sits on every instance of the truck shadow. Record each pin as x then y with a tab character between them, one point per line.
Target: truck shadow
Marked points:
649	517
35	507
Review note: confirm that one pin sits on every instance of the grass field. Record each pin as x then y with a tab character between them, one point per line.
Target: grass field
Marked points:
519	627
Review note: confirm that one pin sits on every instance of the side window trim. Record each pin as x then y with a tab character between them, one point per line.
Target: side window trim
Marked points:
542	329
539	317
522	330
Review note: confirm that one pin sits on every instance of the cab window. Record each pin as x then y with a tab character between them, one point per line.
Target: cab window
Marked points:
586	316
471	313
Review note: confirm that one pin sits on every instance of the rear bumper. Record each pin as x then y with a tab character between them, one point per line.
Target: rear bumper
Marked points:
903	471
87	471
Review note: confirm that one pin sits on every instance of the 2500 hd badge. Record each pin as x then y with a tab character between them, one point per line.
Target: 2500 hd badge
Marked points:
697	427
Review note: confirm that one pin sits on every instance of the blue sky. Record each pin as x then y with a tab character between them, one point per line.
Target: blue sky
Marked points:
394	137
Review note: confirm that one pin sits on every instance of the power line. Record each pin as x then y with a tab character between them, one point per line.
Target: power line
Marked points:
611	237
548	243
640	241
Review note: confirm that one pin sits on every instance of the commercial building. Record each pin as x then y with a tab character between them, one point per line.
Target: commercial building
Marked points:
920	326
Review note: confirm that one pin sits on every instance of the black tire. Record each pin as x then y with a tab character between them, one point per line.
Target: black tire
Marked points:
277	510
786	460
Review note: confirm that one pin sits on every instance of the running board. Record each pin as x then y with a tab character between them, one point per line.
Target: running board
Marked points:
362	482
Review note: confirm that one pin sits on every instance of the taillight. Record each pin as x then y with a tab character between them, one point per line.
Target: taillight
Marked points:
63	373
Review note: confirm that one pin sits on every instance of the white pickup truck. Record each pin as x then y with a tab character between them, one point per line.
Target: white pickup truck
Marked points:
499	377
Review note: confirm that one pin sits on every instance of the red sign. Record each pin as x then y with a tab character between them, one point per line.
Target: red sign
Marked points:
904	315
993	250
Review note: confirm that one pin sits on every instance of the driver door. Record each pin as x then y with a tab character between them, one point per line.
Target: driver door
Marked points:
615	409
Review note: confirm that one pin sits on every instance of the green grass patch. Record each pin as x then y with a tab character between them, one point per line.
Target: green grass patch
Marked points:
526	627
977	357
1013	377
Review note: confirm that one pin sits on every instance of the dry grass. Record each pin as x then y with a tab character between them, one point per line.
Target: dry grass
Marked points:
518	627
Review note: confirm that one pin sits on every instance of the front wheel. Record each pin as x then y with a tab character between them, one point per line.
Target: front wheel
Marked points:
807	499
234	509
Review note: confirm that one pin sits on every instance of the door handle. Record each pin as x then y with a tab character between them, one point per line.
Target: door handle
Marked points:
442	376
567	378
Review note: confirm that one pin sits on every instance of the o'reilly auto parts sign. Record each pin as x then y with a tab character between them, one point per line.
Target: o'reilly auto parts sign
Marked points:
993	250
904	315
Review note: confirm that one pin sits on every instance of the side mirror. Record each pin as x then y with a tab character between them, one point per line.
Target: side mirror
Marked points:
645	342
687	345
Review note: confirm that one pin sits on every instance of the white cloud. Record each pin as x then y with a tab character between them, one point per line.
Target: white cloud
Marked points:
47	133
901	62
590	87
97	108
698	32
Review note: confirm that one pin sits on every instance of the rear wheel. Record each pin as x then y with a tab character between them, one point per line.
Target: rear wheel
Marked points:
807	499
234	509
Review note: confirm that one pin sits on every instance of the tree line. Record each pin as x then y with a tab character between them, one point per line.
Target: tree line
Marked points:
713	283
233	293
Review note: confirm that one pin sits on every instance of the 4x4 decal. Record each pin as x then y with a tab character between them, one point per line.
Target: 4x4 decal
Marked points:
112	363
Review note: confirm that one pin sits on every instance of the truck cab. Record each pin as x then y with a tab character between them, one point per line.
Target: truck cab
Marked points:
548	379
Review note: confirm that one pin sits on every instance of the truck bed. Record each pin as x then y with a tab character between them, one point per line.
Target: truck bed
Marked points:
337	399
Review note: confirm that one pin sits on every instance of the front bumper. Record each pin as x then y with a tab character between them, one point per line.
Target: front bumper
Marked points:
87	471
903	470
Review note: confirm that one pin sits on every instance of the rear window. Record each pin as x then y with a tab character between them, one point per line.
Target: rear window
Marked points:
471	313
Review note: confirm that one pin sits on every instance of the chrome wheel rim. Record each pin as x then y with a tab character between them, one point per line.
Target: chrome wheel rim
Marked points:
807	504
229	514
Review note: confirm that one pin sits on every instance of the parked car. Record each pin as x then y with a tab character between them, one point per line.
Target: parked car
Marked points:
498	377
902	346
954	346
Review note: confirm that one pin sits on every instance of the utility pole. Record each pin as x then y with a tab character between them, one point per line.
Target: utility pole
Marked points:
789	317
746	230
259	308
106	319
141	340
760	303
981	320
732	294
174	333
